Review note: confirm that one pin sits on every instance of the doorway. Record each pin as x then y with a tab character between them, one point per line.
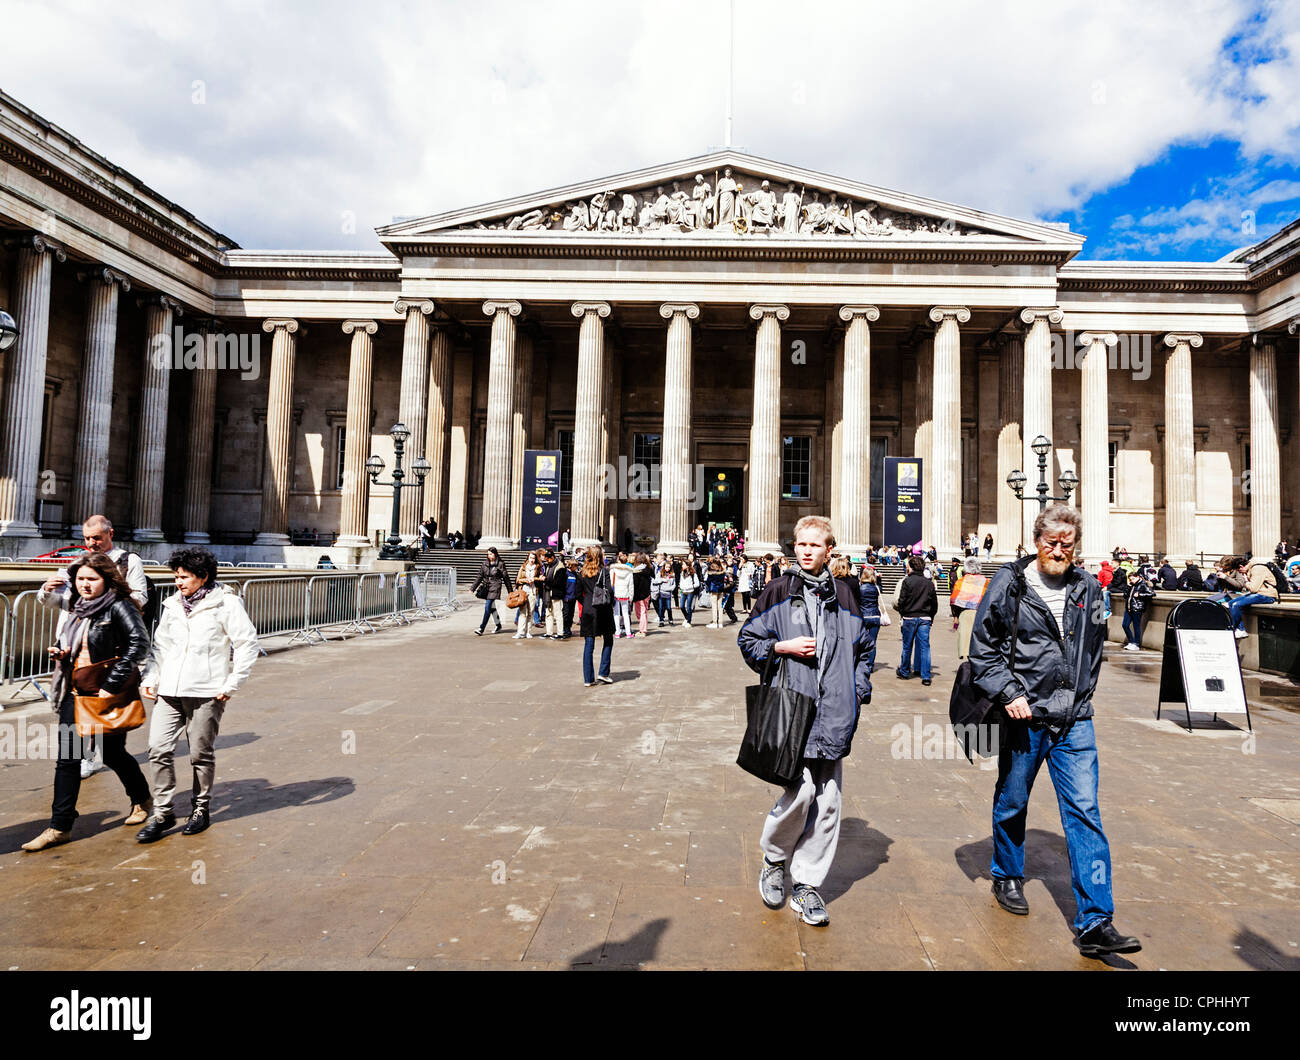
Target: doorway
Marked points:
724	501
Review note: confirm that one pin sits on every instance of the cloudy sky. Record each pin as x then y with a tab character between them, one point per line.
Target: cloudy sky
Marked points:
1160	130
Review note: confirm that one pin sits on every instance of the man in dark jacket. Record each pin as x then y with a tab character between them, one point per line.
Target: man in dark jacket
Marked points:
1190	580
1168	577
1036	652
918	603
813	622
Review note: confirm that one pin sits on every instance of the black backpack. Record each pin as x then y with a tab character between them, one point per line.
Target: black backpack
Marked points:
153	598
1283	586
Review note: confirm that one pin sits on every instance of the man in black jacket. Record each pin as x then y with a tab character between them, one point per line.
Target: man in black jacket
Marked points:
1036	652
918	603
1168	577
1190	580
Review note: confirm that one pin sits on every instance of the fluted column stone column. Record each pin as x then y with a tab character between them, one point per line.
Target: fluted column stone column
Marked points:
412	407
923	440
151	452
763	533
1094	444
520	419
835	422
277	475
1180	452
499	443
1038	407
198	468
1011	451
853	532
436	448
354	512
90	477
946	441
675	476
24	387
587	423
1265	449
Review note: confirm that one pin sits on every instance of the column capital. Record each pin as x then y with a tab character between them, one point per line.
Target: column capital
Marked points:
940	313
1031	315
38	242
276	323
106	276
404	305
1293	326
670	309
870	312
367	326
1087	338
162	301
492	307
581	309
1192	339
758	312
1261	338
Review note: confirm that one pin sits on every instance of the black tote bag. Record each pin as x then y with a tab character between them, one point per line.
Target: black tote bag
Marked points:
779	720
976	721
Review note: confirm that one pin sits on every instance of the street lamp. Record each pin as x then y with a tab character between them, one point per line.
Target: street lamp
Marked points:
8	330
374	466
1068	481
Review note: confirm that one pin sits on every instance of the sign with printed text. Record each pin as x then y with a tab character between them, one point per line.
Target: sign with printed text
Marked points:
904	499
1211	673
540	522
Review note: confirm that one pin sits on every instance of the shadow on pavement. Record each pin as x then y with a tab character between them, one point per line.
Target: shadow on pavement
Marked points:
1261	954
861	851
87	825
243	798
626	954
1041	848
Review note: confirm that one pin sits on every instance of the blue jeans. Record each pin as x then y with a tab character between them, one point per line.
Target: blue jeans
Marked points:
588	648
664	608
1242	602
916	631
1072	763
1133	626
489	608
688	606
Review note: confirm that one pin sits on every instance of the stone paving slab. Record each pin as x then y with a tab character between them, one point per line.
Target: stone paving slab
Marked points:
422	798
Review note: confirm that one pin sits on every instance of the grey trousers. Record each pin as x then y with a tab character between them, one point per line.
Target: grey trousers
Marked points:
200	720
803	828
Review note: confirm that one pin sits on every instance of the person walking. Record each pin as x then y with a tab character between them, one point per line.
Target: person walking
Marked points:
714	583
553	588
487	587
744	582
570	596
642	578
869	607
918	603
596	591
621	575
529	574
664	598
813	621
689	584
965	600
203	650
104	624
1135	604
988	547
1036	652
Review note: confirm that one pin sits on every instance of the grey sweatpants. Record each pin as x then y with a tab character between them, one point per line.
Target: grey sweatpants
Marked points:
803	828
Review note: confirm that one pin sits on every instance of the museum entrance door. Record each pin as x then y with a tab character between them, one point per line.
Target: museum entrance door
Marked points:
724	503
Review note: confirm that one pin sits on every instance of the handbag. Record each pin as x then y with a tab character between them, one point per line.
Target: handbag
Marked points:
969	709
517	598
885	620
97	714
779	721
600	592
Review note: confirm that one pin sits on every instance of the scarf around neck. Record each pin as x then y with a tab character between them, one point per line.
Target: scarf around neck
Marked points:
188	602
820	585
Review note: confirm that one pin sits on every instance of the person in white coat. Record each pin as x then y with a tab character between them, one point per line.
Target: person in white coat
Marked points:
203	650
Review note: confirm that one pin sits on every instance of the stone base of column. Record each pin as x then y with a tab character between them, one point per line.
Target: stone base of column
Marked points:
673	548
16	529
148	533
268	538
851	550
587	542
196	537
501	544
353	541
758	549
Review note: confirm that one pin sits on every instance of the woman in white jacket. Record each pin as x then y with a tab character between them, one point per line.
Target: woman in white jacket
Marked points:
202	652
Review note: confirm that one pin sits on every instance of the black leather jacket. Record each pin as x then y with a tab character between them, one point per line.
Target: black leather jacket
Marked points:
120	632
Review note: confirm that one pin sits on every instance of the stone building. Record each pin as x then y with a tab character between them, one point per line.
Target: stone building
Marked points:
758	335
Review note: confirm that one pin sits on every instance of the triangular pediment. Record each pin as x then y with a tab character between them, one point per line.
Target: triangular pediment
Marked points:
727	195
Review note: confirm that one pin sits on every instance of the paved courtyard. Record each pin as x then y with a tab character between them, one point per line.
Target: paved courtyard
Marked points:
424	798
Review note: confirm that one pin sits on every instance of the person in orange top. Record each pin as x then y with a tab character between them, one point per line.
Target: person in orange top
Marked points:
965	598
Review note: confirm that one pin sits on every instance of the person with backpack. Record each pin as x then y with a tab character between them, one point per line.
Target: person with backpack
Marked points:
1261	588
596	590
1190	580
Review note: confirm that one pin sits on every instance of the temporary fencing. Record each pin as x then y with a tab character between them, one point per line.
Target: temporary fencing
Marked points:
300	608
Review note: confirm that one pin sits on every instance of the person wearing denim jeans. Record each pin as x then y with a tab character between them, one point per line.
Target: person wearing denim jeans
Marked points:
597	617
918	603
1261	588
916	649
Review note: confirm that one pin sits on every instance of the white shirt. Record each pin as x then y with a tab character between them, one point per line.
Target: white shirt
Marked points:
1051	590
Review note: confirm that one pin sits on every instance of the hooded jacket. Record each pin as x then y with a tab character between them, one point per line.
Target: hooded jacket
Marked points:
206	653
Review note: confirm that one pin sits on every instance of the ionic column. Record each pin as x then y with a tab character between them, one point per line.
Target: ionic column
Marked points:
763	534
1011	451
90	477
1094	445
1038	408
675	476
946	442
20	431
355	507
151	452
520	418
1180	453
500	429
278	474
835	421
412	407
198	468
1265	455
436	449
923	441
587	419
854	529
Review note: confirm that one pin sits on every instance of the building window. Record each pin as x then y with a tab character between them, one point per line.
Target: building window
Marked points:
565	440
1112	461
879	450
340	450
647	451
796	467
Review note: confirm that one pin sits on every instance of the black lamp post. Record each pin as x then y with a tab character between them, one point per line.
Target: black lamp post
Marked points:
1068	480
393	546
8	330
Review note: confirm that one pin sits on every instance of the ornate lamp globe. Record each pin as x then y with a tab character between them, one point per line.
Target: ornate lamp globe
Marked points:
374	466
8	330
421	467
400	433
1041	445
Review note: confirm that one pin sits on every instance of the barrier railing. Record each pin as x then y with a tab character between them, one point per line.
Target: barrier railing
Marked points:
278	606
4	638
250	565
332	602
31	629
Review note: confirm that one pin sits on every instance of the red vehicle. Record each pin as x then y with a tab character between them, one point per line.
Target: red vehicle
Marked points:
61	556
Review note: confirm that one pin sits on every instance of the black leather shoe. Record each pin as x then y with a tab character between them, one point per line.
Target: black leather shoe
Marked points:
154	829
197	823
1102	938
925	681
1009	895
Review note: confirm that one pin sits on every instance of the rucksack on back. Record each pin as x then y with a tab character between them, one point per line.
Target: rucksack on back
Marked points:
152	598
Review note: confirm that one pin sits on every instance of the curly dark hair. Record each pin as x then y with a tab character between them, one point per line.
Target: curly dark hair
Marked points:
197	561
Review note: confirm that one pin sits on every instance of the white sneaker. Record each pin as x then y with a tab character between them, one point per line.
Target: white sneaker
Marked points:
686	625
517	636
87	768
1131	647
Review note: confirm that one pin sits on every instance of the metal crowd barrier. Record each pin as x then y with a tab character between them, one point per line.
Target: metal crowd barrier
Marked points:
262	566
277	606
5	614
31	628
332	602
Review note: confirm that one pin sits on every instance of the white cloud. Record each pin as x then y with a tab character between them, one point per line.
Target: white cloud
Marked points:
413	108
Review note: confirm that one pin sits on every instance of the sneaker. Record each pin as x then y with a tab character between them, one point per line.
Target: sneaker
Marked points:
87	768
517	636
805	901
1102	938
588	683
140	812
197	823
478	633
604	680
771	884
1131	647
686	625
51	837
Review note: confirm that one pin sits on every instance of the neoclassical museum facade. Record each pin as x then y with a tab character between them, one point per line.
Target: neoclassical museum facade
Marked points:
756	335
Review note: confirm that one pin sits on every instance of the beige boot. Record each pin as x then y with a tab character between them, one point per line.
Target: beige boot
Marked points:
51	837
140	812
